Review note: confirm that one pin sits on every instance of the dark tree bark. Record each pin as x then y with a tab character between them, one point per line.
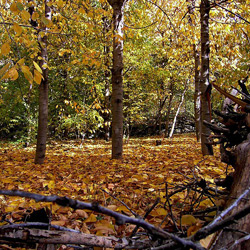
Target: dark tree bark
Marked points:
117	79
227	238
197	94
43	96
234	139
205	86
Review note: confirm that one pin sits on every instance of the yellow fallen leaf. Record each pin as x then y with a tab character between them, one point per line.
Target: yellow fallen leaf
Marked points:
58	223
206	242
161	211
81	213
91	218
188	220
122	208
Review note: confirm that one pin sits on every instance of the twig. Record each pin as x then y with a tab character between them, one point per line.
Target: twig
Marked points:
38	224
120	218
239	241
235	204
170	207
241	92
164	12
35	28
137	28
235	14
123	203
214	227
145	216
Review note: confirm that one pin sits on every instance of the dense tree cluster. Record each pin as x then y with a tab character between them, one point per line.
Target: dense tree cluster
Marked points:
75	68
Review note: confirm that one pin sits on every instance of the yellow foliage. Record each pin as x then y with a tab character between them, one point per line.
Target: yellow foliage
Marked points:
25	15
5	49
18	29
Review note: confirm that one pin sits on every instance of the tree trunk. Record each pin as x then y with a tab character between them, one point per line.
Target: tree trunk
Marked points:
205	86
169	108
227	238
43	96
197	94
106	50
177	112
117	79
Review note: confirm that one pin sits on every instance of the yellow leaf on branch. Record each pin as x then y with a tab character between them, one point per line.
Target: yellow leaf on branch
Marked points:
27	74
4	69
37	67
25	69
5	49
21	62
37	77
13	8
35	16
18	29
25	15
13	74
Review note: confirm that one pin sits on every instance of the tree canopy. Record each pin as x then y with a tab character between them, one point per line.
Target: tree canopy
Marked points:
158	60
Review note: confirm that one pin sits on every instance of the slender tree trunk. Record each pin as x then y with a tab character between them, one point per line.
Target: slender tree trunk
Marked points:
177	112
106	114
117	79
43	96
205	86
197	94
169	108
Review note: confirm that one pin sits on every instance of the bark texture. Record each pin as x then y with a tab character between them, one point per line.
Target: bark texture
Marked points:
51	238
106	48
117	79
197	94
205	86
43	96
227	238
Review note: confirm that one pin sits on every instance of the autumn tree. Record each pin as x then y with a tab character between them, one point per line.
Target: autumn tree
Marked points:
43	92
205	86
117	79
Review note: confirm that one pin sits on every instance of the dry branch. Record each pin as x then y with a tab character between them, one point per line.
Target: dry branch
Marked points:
62	237
120	218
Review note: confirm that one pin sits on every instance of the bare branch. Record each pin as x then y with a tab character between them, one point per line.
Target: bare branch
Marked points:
61	237
235	14
120	218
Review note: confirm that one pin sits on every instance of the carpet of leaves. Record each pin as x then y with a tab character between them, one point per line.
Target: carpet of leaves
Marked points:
84	170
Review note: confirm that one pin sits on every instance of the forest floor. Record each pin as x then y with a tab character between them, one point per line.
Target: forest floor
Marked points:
84	170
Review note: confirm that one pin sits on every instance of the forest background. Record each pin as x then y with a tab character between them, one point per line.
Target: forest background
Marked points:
159	63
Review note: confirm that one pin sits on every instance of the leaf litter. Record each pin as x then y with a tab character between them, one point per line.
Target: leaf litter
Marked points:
84	170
